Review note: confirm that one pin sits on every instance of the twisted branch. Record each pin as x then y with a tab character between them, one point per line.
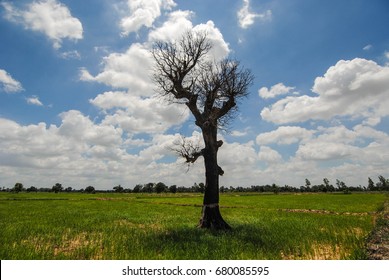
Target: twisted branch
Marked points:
188	149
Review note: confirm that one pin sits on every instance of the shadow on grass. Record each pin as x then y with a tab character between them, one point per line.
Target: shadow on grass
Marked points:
243	242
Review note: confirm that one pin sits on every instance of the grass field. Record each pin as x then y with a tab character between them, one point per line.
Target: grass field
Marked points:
140	226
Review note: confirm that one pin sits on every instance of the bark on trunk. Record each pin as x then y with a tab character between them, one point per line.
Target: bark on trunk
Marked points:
211	217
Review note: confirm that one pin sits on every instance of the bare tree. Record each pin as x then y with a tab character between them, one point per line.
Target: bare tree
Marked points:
186	73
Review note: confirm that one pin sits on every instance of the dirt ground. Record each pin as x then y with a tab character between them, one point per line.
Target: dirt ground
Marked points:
378	242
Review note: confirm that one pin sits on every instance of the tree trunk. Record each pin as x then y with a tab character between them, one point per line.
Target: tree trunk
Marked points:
211	217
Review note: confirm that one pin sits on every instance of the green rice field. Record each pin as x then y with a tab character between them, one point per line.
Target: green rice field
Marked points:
163	226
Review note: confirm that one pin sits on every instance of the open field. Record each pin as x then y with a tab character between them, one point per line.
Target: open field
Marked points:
142	226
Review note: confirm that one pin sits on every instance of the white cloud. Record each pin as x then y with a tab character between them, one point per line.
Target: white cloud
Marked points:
85	75
239	170
129	70
31	145
34	100
11	13
367	47
325	151
136	115
276	90
228	152
71	55
285	135
368	132
49	17
355	90
77	152
352	88
80	128
112	99
247	18
80	152
220	48
269	155
143	13
77	139
177	24
337	152
237	133
9	84
361	145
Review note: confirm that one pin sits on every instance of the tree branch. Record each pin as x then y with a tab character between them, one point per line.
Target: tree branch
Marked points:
188	149
235	82
177	66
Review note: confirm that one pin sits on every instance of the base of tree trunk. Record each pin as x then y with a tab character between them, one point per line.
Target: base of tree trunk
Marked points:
212	219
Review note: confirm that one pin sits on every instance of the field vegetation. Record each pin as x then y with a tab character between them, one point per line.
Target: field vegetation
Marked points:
163	226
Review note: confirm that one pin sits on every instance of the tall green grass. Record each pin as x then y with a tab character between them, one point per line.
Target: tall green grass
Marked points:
129	226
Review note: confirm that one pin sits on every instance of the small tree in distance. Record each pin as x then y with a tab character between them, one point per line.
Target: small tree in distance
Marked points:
160	187
89	189
118	189
185	74
57	188
18	187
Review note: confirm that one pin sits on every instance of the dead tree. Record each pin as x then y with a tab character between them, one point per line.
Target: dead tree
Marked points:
186	73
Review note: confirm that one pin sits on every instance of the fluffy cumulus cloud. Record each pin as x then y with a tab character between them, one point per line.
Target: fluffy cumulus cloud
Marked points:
129	70
220	47
177	23
354	153
351	88
46	147
80	152
9	84
269	155
239	170
79	127
77	149
139	115
328	155
49	17
247	18
143	13
348	102
284	135
76	138
276	90
339	143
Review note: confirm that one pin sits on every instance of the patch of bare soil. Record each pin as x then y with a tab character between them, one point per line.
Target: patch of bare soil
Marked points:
378	242
318	211
319	252
73	245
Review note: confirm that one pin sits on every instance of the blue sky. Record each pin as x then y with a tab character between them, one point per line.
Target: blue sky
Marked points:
77	105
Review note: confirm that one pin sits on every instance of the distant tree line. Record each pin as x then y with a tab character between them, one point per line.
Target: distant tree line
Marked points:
326	187
55	189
